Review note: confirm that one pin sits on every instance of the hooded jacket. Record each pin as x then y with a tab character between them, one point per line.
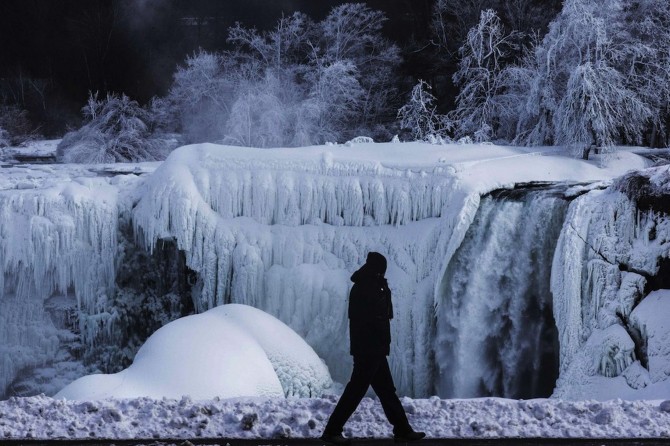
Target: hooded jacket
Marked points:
370	309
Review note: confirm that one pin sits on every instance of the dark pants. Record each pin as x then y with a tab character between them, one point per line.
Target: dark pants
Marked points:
368	371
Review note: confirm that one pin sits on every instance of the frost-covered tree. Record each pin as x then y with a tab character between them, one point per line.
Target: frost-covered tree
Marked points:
335	100
419	116
593	71
201	96
352	32
116	131
596	110
283	47
262	114
647	61
479	76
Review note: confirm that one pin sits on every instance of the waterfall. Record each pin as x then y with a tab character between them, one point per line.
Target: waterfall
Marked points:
495	333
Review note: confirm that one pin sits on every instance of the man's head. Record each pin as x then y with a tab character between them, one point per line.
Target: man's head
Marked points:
376	263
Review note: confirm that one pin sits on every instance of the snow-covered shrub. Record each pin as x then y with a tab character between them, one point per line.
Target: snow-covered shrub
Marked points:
15	127
359	140
419	116
4	138
116	130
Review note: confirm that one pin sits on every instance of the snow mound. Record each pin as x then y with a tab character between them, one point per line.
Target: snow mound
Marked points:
230	351
300	370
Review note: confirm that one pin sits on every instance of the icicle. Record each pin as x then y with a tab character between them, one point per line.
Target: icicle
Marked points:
285	238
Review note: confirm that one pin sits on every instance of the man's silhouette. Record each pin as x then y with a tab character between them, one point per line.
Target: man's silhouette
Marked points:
370	312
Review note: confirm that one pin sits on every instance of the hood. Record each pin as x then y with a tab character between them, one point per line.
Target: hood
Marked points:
375	266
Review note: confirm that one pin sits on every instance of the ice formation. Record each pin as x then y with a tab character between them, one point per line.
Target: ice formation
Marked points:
240	351
283	229
608	258
57	237
284	236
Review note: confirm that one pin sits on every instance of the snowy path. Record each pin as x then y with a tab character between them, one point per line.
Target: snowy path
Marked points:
362	441
285	421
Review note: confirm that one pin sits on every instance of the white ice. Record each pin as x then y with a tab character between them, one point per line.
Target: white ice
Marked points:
278	229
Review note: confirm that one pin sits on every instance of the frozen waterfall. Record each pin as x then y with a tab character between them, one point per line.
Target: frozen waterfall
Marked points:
285	237
283	230
495	334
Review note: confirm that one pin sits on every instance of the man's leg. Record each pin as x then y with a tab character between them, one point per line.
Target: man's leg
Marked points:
382	384
361	377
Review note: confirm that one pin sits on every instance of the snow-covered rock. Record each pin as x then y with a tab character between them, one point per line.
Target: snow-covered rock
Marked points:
229	351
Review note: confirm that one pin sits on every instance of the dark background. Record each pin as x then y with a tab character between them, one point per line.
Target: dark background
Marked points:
72	47
53	52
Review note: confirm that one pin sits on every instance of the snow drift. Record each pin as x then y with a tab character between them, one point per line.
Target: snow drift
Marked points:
238	351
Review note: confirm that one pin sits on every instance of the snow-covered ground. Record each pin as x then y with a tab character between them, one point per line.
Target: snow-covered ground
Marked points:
41	417
38	151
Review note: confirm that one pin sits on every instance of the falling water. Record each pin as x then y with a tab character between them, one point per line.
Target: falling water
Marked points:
495	330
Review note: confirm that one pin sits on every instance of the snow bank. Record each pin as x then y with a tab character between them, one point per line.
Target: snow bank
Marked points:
230	351
45	418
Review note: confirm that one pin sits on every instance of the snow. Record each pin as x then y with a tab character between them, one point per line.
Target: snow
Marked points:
42	417
633	381
240	351
31	151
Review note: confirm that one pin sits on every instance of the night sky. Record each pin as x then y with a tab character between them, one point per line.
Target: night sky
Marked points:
132	46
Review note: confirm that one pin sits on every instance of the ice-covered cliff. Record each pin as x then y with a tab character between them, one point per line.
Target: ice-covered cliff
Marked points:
282	230
58	242
613	251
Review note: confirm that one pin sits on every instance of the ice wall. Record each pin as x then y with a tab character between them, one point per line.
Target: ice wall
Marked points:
285	237
57	237
495	333
609	257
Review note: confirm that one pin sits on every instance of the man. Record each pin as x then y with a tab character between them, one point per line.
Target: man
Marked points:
370	312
